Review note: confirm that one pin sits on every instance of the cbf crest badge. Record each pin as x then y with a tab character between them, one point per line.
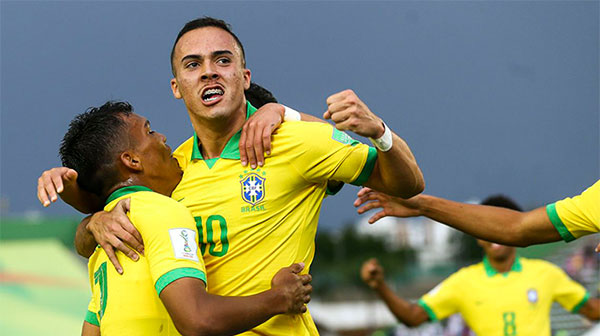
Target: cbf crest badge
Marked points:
253	188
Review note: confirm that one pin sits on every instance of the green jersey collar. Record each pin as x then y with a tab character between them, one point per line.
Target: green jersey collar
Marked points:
490	271
231	150
125	191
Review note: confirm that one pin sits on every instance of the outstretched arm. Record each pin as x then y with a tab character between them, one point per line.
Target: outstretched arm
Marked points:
406	312
396	171
495	224
591	309
186	301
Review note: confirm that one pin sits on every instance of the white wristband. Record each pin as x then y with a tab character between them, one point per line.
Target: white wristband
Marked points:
290	114
384	143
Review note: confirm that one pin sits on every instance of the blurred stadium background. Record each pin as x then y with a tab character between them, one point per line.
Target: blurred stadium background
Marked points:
493	97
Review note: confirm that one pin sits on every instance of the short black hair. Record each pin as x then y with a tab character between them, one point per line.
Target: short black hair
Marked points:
259	96
501	201
93	143
202	22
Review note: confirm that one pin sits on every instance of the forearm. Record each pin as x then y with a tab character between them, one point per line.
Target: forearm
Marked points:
232	315
83	201
396	172
406	312
85	244
495	224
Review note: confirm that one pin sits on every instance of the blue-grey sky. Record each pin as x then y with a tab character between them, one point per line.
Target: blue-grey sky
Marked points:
491	96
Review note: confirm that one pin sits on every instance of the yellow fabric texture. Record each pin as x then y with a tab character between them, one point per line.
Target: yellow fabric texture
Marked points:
513	303
581	214
244	242
131	303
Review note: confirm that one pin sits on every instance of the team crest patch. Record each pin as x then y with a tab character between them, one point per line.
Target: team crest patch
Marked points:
184	243
253	188
532	295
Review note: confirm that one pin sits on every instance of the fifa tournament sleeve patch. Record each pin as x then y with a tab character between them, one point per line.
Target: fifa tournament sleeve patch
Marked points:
184	243
342	137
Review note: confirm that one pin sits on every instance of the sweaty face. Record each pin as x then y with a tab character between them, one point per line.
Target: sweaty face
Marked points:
209	74
496	251
160	169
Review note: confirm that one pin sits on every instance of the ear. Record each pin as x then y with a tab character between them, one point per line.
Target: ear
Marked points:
131	161
175	89
247	76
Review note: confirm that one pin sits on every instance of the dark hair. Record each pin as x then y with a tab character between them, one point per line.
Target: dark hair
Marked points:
259	96
206	22
501	201
92	144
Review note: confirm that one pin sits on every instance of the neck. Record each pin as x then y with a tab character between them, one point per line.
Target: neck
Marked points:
503	265
213	134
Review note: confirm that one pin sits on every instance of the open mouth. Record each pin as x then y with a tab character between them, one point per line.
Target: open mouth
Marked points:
212	95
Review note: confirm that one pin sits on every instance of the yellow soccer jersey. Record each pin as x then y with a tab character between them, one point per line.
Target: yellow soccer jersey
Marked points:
514	303
577	216
129	304
253	222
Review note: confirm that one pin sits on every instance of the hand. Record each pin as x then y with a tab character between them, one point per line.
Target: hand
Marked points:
255	139
53	182
392	206
293	287
112	229
372	273
350	113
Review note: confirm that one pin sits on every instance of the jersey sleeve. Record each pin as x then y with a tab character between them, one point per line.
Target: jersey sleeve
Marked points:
568	293
325	153
442	301
170	240
91	315
577	216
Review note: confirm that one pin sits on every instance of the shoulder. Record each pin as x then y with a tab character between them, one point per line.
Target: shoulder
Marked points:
313	134
538	265
183	153
154	206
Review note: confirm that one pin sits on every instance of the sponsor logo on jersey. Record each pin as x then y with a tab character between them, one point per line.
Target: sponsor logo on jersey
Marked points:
253	187
532	295
184	243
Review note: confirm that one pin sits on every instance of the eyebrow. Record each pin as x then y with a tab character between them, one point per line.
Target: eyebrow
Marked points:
213	54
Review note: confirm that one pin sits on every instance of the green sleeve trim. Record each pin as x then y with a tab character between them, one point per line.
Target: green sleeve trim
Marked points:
92	318
367	169
333	187
428	309
558	224
578	306
178	273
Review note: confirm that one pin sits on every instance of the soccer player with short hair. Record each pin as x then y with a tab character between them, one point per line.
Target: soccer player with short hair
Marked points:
252	220
118	156
503	295
567	219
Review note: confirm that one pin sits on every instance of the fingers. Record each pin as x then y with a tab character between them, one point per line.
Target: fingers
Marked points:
368	206
259	152
132	237
266	138
327	115
242	146
110	252
249	146
363	191
598	248
305	278
377	217
340	96
58	183
297	267
42	194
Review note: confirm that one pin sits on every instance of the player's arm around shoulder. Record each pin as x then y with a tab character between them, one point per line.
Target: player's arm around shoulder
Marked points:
396	171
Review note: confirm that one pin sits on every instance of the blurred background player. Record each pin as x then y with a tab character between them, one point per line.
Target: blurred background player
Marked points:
567	219
118	156
503	295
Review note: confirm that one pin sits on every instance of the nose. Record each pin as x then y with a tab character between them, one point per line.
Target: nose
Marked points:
209	73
